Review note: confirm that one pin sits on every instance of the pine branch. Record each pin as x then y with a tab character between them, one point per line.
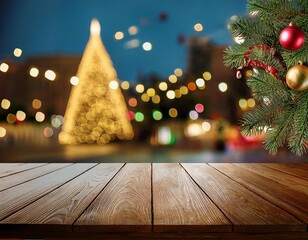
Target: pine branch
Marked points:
233	56
299	136
291	58
281	110
254	30
262	115
264	84
276	136
278	9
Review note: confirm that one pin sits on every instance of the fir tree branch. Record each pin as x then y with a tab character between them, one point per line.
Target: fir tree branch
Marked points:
278	9
299	136
234	56
291	58
277	136
264	84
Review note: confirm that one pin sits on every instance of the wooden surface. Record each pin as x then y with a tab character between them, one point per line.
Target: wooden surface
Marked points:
159	200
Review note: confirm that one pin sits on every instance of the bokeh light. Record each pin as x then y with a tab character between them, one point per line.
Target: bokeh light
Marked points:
113	84
156	99
191	86
184	90
242	103
207	76
132	102
11	118
5	103
172	78
2	132
17	52
147	46
131	115
133	30
36	103
139	88
145	97
34	72
50	75
139	116
39	117
119	35
151	92
199	108
4	67
206	126
163	86
20	115
251	102
198	27
223	87
157	115
74	80
200	82
193	115
57	121
125	85
48	132
173	112
178	72
170	94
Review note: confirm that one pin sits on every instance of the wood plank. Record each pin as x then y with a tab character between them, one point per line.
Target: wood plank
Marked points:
15	198
179	205
7	169
288	199
58	210
296	183
247	211
123	206
289	168
16	179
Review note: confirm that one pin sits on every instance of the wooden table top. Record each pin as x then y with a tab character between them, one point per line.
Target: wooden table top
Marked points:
159	200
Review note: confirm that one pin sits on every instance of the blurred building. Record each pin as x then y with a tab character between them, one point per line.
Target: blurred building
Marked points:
40	83
222	90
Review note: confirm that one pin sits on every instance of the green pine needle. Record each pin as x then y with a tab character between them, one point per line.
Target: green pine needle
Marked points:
280	112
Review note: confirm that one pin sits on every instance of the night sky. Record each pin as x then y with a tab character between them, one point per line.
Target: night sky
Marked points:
62	26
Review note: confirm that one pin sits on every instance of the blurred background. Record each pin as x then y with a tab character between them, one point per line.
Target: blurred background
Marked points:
183	104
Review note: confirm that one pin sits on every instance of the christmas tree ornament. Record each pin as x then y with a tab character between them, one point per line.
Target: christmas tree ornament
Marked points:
248	62
291	37
239	72
297	77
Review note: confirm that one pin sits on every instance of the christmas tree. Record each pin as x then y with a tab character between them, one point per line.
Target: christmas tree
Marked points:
274	51
96	110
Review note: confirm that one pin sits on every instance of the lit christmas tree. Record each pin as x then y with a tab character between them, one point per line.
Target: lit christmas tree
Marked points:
96	110
273	45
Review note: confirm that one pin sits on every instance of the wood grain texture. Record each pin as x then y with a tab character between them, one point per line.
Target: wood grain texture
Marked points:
15	198
296	183
247	211
59	209
293	201
25	176
7	169
292	169
124	205
179	205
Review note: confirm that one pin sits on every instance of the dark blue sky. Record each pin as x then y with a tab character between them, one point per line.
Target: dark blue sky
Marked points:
62	26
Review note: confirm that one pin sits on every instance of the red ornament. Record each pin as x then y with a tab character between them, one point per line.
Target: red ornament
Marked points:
257	63
291	37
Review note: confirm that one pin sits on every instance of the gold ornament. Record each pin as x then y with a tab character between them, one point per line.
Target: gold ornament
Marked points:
297	77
